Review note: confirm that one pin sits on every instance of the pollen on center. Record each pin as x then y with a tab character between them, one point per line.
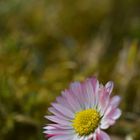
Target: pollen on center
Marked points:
86	121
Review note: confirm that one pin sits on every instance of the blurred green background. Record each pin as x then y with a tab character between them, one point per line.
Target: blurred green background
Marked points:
46	44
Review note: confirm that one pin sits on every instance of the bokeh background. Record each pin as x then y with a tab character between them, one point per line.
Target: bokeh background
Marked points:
46	44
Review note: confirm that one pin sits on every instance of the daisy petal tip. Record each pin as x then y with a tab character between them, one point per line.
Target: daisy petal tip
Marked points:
109	86
118	114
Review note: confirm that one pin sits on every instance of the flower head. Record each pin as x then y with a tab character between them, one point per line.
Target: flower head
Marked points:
83	111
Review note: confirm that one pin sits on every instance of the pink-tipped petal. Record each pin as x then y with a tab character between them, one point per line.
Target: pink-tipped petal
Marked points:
62	137
71	100
95	84
103	100
58	114
101	135
112	111
87	91
110	117
58	120
63	110
59	126
115	101
114	114
61	100
109	87
106	123
59	131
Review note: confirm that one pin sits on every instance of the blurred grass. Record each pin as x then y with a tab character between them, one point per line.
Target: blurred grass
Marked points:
46	44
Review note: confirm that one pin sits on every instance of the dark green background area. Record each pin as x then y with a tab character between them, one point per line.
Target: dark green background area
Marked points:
47	44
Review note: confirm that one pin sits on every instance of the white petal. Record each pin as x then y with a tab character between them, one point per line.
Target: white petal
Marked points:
61	137
77	90
58	120
72	100
59	126
58	114
60	132
67	112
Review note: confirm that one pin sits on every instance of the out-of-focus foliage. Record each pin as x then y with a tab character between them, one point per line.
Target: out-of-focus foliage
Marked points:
46	44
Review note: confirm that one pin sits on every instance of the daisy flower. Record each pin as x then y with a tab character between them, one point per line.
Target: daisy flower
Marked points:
83	111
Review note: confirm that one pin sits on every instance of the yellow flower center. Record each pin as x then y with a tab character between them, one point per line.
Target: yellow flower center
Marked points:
86	121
